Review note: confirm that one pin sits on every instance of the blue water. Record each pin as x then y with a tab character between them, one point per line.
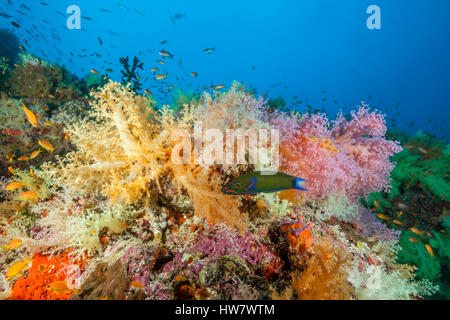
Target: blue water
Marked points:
310	49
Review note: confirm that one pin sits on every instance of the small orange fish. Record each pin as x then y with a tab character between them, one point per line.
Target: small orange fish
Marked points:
27	195
30	115
32	173
148	92
161	76
35	153
66	137
14	185
104	240
23	158
416	231
412	239
383	217
93	71
430	251
18	268
137	284
11	169
161	62
194	74
397	222
59	287
49	124
12	245
180	278
46	145
220	86
9	157
154	69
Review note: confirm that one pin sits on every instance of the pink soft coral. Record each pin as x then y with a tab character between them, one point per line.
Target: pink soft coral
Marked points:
347	157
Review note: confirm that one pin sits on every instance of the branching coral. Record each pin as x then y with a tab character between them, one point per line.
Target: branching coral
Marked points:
118	153
360	166
130	73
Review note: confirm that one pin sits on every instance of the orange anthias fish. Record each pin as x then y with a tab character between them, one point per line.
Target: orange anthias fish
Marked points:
66	136
194	74
18	268
220	86
383	217
93	71
11	169
35	153
32	173
14	185
412	239
46	145
23	158
148	92
154	69
30	115
416	231
59	287
12	245
430	251
28	195
161	76
161	62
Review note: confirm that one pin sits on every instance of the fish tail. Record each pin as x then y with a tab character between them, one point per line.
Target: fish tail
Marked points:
300	184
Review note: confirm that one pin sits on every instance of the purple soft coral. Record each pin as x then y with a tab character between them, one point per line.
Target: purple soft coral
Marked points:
215	243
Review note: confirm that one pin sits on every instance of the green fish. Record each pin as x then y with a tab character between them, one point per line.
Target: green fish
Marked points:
256	182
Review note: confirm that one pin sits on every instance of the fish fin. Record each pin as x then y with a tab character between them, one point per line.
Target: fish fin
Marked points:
300	183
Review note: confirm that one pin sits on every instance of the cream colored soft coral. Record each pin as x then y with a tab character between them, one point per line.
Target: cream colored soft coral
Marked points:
118	150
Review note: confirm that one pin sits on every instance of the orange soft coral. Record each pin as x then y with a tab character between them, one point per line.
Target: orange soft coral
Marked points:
44	271
324	277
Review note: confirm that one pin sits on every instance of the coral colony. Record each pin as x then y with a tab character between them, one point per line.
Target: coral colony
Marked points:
105	196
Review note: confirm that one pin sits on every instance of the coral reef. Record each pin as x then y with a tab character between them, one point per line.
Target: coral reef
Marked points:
108	210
